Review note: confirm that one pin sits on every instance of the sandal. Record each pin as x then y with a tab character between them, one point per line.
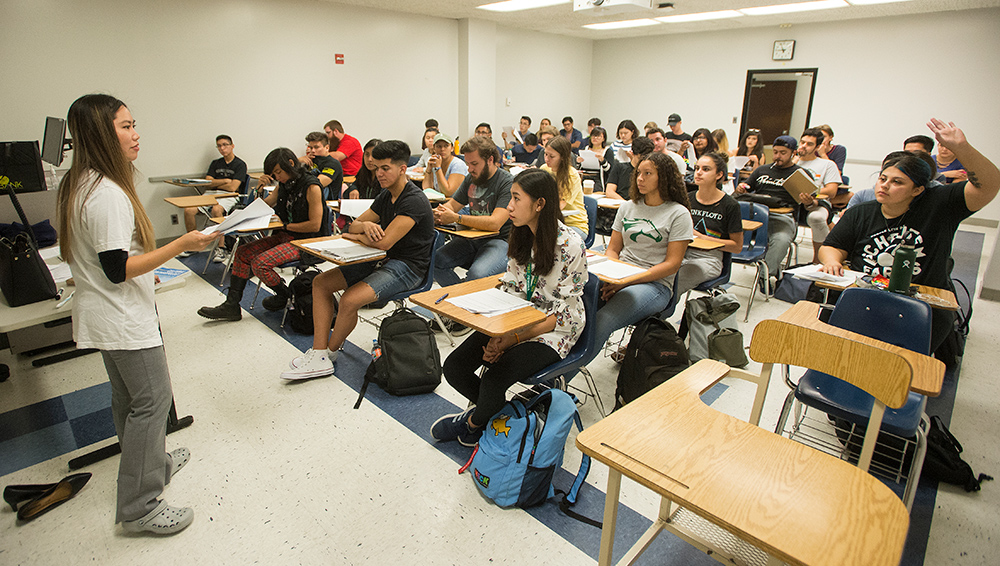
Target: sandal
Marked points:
180	458
164	520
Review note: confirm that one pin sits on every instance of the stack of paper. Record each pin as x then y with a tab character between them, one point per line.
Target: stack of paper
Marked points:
490	302
613	269
257	216
812	273
344	250
609	201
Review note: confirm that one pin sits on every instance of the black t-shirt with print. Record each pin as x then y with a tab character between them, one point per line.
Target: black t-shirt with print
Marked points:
235	169
483	200
331	169
718	219
769	180
414	248
870	239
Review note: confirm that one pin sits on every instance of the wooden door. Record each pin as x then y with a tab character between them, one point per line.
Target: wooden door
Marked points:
769	108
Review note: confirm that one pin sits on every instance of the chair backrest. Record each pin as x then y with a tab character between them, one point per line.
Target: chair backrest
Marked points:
326	227
248	194
890	317
591	294
590	203
428	281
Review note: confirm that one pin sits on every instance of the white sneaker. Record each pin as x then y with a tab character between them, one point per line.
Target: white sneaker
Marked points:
219	256
297	360
185	254
314	364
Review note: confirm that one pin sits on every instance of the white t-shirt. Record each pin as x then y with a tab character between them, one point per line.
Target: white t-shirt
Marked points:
823	171
646	231
106	315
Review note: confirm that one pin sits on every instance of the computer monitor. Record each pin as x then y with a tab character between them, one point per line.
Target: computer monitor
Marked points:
21	167
54	140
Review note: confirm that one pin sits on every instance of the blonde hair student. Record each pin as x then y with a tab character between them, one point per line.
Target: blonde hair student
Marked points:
558	162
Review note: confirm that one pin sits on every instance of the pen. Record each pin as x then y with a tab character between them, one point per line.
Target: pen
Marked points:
66	300
443	297
59	293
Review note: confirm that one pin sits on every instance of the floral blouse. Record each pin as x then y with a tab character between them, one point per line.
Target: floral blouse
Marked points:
558	293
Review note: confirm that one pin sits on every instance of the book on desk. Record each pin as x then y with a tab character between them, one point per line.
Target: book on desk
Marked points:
344	250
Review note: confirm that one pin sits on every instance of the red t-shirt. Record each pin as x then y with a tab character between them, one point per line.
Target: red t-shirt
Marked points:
351	148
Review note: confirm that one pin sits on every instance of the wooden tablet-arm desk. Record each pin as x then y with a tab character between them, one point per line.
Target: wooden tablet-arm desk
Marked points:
772	499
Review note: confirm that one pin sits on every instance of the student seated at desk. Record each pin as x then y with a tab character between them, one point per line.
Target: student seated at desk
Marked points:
298	202
626	133
548	267
559	163
605	156
325	168
343	148
753	150
427	145
226	175
365	185
486	191
108	240
905	210
652	230
444	172
528	152
523	129
716	217
824	173
401	223
618	185
545	133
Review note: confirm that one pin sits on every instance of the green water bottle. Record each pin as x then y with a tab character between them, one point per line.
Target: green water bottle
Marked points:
903	263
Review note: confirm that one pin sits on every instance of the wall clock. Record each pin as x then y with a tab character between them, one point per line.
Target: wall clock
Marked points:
784	49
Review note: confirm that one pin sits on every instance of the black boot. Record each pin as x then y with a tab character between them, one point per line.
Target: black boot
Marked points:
230	309
279	300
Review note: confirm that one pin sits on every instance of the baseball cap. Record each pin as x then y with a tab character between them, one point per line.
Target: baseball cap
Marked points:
785	141
443	137
673	119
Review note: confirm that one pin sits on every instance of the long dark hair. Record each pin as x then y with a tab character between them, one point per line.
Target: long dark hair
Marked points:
669	182
365	180
540	244
711	147
97	149
758	148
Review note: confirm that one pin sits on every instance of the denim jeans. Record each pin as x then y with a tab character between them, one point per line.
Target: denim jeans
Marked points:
481	257
628	306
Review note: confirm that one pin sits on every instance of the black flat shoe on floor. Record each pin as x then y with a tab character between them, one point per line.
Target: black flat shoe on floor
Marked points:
56	495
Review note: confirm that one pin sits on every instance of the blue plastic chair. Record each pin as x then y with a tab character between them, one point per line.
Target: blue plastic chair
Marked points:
581	350
754	247
590	203
889	317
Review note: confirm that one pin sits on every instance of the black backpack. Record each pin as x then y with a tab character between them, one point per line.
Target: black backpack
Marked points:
300	315
944	461
410	363
655	353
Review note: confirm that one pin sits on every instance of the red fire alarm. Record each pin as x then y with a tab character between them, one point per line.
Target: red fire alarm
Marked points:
339	58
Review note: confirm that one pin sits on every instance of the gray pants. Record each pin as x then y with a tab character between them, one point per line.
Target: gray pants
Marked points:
140	402
781	230
697	269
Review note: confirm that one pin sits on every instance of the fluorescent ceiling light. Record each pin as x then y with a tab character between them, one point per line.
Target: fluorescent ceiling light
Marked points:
518	5
625	24
797	7
863	2
721	14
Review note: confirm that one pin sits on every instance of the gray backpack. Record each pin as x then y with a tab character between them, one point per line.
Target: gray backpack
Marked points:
713	330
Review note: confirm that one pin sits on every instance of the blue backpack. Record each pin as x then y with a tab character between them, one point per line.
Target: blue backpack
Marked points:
521	449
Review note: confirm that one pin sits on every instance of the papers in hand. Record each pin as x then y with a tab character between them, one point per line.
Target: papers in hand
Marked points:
489	302
813	273
257	216
589	160
344	250
353	207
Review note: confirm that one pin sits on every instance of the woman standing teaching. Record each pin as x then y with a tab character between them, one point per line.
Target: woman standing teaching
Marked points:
108	241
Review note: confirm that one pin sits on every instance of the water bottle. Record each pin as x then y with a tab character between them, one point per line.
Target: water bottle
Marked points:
376	350
903	262
457	146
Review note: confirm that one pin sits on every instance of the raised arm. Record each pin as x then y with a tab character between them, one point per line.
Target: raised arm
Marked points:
984	177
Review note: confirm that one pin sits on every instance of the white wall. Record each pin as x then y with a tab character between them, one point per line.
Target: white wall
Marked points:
545	76
259	70
879	80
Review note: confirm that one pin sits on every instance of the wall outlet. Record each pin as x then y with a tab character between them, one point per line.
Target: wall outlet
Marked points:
173	220
734	119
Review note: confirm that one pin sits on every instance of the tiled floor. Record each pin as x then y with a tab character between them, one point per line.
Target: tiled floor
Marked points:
289	473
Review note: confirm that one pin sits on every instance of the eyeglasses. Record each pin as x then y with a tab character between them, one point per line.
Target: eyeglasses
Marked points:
223	144
753	131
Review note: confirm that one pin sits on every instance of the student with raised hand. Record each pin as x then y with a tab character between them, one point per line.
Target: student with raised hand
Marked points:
444	172
906	211
401	223
716	217
559	163
298	202
365	185
107	238
652	230
547	267
326	169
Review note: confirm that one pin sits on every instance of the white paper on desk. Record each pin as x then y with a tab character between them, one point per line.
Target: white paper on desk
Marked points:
489	302
614	269
257	209
49	252
515	170
812	273
589	160
609	201
344	250
353	207
432	194
60	271
594	258
571	212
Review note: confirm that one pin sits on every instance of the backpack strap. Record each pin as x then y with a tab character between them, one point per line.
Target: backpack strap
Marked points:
569	498
369	377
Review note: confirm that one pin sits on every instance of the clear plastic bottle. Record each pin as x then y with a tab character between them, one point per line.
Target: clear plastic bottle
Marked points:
376	350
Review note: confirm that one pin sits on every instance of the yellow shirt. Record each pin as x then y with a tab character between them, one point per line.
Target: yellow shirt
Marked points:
573	195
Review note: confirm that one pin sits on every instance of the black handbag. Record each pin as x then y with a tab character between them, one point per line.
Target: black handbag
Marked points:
24	277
